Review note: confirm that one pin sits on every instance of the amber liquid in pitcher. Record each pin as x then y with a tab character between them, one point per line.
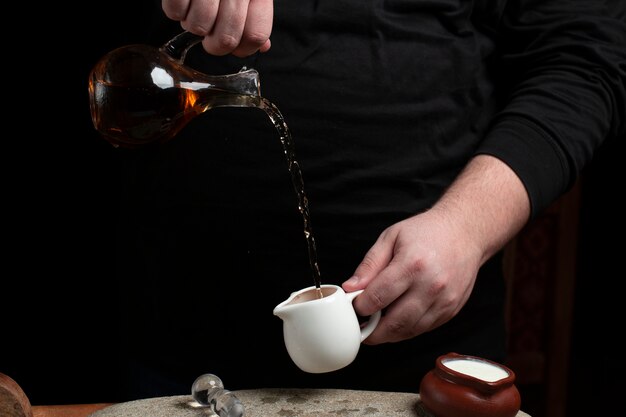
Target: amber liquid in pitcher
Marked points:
139	94
148	113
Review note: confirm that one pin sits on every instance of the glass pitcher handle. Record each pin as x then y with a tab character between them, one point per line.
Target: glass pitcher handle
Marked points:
178	46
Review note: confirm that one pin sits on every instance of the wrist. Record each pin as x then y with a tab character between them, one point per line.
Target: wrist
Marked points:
487	203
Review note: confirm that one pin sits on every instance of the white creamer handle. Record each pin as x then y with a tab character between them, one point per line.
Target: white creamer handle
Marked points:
371	324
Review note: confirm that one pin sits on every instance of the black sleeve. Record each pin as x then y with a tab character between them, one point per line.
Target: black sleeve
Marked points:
563	63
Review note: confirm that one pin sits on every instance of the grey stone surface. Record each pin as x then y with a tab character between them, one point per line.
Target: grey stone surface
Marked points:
283	403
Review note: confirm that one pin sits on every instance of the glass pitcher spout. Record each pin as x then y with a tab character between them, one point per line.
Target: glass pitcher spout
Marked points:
140	94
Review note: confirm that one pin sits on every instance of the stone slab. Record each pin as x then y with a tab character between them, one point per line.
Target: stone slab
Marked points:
283	403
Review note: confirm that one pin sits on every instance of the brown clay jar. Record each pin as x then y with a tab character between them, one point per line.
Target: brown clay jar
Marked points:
469	386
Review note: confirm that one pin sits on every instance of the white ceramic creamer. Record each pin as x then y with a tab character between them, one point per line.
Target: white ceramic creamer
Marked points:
323	334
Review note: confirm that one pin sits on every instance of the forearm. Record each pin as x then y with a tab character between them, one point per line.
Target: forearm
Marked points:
488	202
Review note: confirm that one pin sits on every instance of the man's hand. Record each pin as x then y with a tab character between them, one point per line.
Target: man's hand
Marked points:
422	270
238	27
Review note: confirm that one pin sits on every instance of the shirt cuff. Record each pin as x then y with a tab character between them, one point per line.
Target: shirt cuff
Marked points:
533	155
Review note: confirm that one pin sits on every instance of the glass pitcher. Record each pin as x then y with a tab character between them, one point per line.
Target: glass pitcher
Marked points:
141	94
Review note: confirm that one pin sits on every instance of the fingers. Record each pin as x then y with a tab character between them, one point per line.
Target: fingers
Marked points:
402	320
238	27
226	33
201	17
415	304
391	292
375	260
195	16
257	29
417	310
175	9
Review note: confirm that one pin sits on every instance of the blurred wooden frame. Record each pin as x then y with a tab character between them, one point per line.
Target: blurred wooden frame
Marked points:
540	269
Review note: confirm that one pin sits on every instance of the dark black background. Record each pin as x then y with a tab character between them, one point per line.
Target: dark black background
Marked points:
60	202
60	187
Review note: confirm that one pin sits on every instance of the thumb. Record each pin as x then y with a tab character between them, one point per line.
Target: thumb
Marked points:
375	260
